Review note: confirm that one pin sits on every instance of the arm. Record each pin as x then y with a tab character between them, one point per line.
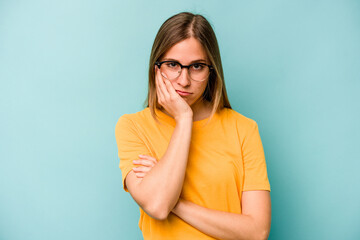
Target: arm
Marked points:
158	192
253	223
255	218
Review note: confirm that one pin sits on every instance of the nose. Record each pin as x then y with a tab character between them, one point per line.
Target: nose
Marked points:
184	79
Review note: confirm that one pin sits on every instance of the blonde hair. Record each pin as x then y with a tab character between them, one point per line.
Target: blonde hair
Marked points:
178	28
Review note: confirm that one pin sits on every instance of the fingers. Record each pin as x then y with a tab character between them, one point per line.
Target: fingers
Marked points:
166	83
160	86
166	91
140	175
170	87
160	95
146	157
141	169
147	163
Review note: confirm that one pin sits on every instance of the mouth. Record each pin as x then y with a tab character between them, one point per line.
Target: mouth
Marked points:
181	93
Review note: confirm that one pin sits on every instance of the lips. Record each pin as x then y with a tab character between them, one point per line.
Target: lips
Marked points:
181	93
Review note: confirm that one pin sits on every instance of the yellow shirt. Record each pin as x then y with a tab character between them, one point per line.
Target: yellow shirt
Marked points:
226	157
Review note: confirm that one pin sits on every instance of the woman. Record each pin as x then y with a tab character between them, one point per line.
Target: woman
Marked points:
194	166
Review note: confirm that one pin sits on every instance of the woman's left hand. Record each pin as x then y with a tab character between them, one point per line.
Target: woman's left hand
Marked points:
146	162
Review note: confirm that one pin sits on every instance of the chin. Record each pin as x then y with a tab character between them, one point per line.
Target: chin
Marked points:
194	100
189	102
192	104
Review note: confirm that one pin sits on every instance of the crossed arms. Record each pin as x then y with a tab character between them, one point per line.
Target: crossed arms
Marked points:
158	193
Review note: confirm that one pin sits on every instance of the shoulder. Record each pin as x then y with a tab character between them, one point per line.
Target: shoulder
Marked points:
245	127
132	119
239	119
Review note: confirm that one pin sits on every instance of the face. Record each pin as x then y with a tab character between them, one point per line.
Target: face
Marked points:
187	52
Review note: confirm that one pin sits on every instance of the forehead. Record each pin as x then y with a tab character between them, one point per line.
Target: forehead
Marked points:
187	51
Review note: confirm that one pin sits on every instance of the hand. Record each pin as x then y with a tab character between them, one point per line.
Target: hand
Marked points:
147	163
172	102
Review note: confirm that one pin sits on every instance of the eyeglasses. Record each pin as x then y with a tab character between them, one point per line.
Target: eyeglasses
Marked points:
172	70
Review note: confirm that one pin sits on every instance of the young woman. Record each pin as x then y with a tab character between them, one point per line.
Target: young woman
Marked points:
194	166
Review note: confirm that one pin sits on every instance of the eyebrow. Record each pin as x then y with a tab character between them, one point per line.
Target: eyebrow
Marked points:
194	61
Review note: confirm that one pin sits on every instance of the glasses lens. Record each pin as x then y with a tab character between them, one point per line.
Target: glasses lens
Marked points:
199	72
170	70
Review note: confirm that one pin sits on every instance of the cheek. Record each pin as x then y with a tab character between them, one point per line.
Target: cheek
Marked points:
202	88
173	83
199	88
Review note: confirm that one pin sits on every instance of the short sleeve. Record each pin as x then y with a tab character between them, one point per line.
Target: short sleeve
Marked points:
130	145
255	172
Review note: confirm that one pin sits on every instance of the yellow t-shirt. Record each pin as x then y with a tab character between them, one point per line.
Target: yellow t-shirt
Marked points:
226	157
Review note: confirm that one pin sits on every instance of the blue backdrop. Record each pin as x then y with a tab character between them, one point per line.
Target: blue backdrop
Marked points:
70	69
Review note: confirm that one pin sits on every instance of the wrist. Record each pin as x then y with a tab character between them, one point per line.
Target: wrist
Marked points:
184	118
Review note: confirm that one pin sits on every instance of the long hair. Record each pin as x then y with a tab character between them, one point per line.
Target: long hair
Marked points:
178	28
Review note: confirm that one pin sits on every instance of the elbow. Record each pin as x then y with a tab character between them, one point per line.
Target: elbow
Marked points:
158	213
162	215
262	234
162	208
258	231
261	230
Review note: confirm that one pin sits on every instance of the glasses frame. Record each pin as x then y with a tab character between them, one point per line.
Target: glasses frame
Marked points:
211	68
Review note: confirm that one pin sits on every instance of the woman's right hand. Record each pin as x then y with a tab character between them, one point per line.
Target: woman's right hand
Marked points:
172	102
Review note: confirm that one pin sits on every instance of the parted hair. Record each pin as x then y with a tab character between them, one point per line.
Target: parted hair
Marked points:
176	29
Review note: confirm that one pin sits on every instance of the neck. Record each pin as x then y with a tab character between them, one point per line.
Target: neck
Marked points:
201	110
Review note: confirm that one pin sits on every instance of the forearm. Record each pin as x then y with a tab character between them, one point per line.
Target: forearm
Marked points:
165	180
219	224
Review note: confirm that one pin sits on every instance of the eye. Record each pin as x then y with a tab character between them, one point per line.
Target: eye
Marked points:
171	64
197	66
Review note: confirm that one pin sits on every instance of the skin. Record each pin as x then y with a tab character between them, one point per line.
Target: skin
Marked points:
253	223
255	220
158	203
185	52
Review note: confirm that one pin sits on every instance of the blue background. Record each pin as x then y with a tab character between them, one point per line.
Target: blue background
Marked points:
70	69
